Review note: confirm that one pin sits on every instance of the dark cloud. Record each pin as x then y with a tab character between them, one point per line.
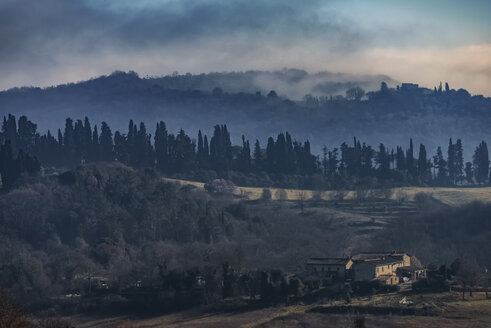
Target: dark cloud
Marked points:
52	41
39	30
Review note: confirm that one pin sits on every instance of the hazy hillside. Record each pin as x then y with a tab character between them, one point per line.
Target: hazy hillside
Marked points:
189	102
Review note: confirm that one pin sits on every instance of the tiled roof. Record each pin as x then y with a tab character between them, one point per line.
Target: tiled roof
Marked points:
327	261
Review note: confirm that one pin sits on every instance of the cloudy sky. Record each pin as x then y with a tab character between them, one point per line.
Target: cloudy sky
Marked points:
48	42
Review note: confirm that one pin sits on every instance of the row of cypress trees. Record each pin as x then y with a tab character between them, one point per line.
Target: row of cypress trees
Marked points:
179	153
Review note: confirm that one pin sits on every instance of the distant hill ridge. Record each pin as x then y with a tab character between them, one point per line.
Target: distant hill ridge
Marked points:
243	101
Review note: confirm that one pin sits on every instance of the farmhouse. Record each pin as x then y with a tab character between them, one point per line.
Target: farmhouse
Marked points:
336	268
389	268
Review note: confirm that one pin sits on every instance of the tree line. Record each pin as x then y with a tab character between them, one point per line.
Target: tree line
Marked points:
80	142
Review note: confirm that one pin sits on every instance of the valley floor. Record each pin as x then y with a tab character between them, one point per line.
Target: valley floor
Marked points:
448	310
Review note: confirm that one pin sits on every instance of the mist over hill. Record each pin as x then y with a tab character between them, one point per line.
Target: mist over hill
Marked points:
243	101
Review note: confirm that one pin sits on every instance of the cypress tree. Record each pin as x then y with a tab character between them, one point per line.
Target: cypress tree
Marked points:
199	153
383	161
160	143
69	141
87	139
481	163
451	161
469	172
400	159
106	143
120	153
422	163
410	159
270	155
206	152
459	160
440	165
96	153
258	156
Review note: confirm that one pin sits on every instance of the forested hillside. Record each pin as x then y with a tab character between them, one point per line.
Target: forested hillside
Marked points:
105	229
390	115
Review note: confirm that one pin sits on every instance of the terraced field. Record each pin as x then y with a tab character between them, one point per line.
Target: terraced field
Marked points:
449	196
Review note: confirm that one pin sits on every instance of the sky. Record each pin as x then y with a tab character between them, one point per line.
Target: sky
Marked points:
49	42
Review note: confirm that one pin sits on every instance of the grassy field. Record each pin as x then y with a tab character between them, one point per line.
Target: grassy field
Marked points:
448	310
449	196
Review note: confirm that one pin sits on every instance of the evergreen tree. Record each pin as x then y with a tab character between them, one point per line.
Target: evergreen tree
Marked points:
69	142
481	163
422	163
206	152
27	135
383	161
221	149
200	151
440	165
106	143
95	148
160	145
60	138
9	132
120	151
400	159
270	155
332	160
459	160
258	156
87	140
469	172
451	161
12	167
410	159
245	156
142	147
